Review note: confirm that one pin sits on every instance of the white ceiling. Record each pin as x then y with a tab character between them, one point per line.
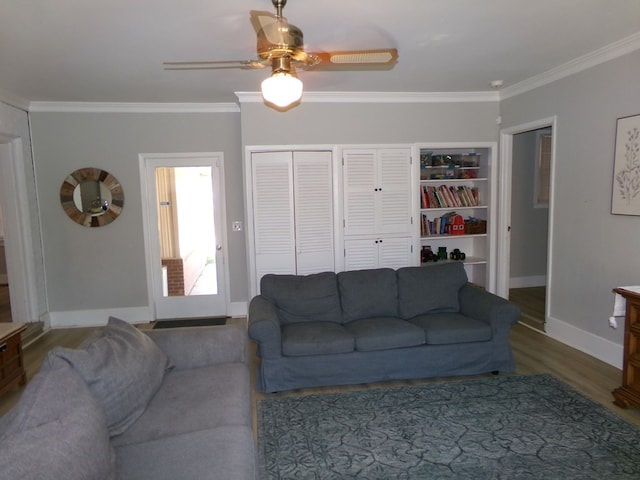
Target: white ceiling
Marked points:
112	50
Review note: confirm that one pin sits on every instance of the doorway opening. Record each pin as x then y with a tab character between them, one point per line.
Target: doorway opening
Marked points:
528	154
21	296
184	232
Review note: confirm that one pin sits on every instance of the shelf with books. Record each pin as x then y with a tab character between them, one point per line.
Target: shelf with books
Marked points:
451	224
456	195
455	205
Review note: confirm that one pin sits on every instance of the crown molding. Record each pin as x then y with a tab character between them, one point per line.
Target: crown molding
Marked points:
597	57
124	107
382	97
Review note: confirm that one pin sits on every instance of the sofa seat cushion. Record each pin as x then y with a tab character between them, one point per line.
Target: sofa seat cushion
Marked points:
191	400
57	430
430	289
368	293
303	298
385	333
123	368
223	452
316	338
448	328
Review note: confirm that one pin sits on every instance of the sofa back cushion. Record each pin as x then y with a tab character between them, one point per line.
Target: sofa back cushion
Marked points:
123	368
433	288
57	430
303	298
368	293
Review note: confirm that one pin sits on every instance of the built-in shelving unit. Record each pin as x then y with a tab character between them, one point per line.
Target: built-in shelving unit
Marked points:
455	203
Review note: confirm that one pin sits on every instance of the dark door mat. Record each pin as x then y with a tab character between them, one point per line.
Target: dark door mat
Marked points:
191	322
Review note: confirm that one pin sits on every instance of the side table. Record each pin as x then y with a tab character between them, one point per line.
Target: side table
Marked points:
11	363
628	395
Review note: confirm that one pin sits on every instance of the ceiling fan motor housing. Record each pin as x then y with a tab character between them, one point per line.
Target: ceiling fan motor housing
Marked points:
280	39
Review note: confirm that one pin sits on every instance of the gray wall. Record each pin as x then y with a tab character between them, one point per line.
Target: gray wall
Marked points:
592	251
359	123
102	268
528	224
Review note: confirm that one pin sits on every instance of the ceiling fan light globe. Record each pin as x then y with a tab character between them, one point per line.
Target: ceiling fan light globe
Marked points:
282	89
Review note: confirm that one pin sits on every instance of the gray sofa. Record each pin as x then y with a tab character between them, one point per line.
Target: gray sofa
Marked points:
164	404
374	325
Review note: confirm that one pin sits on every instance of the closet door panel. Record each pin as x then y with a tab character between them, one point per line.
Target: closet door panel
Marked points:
359	192
313	204
273	213
394	173
394	252
360	253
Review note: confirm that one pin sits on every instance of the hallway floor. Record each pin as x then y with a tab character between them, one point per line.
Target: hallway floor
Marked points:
532	303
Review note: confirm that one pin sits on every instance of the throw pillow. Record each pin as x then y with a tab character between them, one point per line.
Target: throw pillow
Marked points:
57	430
434	288
303	298
123	368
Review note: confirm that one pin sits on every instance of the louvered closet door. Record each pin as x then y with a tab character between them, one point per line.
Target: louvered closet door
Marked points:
359	172
273	221
394	252
313	205
394	191
360	253
390	252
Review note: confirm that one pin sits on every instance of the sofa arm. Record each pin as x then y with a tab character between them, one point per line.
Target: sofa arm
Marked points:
500	313
264	327
202	346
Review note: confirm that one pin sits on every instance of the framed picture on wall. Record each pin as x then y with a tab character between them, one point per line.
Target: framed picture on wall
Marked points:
625	196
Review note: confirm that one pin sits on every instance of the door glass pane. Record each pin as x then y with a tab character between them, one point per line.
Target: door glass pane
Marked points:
186	231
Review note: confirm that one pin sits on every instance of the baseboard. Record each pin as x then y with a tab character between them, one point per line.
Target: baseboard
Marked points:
598	347
237	309
526	282
97	318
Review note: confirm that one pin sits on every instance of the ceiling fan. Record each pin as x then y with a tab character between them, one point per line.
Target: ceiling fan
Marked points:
281	47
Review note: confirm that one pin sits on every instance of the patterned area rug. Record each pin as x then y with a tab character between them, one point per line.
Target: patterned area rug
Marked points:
507	427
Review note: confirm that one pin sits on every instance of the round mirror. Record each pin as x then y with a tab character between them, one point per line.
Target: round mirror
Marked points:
92	197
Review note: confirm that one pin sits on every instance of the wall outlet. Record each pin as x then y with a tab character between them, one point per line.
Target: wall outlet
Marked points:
236	226
613	323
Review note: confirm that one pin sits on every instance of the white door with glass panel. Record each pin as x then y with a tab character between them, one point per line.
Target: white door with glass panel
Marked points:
186	264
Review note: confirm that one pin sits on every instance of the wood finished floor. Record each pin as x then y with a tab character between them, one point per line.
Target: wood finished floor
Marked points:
531	301
534	353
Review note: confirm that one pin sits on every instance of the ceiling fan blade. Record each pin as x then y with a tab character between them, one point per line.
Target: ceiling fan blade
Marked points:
378	59
217	65
260	19
269	27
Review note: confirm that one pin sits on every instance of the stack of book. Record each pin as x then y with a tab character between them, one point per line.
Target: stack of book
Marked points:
451	196
448	224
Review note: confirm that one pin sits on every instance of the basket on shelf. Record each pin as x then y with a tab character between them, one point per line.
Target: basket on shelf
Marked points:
475	226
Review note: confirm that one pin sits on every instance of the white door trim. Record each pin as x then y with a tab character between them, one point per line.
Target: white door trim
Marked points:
17	230
150	220
504	218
